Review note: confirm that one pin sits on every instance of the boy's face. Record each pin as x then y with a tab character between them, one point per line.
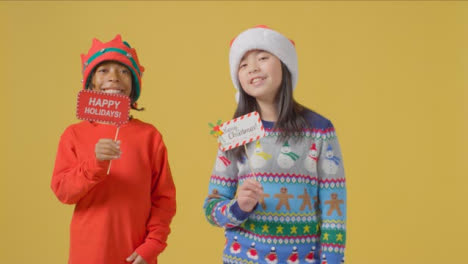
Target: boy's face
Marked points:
112	77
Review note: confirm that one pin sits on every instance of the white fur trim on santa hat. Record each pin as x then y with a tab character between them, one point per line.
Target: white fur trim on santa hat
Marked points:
261	38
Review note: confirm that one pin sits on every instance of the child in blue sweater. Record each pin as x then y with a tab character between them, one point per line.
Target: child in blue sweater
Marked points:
283	198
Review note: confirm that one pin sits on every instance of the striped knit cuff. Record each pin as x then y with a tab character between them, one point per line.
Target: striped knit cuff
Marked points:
236	214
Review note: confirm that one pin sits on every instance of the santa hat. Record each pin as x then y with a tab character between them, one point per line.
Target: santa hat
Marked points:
114	50
252	252
286	144
294	257
324	259
329	147
264	38
313	147
235	246
271	258
310	257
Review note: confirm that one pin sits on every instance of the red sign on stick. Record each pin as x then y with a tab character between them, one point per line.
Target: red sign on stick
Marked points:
103	107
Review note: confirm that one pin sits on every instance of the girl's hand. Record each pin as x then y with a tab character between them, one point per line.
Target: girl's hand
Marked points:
136	259
107	149
248	195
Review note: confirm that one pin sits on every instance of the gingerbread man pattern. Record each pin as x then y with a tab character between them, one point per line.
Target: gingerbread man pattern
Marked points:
334	204
214	194
283	197
262	200
306	202
316	204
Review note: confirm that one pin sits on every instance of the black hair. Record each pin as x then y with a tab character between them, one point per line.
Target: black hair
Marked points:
290	113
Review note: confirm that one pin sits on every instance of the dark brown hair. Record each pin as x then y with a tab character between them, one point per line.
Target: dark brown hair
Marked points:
133	104
290	113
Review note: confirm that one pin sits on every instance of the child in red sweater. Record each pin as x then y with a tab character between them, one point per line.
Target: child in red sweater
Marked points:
122	217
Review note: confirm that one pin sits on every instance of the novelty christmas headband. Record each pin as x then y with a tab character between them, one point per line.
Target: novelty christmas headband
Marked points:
114	50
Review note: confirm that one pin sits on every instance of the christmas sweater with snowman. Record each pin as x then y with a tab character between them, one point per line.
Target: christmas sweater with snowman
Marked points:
302	215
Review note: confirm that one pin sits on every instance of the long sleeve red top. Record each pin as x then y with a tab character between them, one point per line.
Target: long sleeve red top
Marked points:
128	210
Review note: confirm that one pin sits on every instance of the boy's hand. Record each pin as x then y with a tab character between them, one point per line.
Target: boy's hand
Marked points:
107	149
248	195
137	259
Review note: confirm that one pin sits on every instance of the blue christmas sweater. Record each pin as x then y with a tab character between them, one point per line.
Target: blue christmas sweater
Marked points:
302	215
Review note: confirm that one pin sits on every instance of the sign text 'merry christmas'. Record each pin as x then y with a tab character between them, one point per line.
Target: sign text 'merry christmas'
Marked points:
233	132
240	131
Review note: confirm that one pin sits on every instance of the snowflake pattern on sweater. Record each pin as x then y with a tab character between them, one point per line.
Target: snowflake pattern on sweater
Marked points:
302	215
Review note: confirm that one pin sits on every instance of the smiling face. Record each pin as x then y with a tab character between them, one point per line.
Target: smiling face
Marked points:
112	77
260	75
313	153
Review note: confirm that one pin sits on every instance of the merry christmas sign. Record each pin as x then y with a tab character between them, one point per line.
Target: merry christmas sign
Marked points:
103	107
240	131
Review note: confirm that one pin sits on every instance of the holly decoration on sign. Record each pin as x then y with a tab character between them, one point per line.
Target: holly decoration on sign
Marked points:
215	129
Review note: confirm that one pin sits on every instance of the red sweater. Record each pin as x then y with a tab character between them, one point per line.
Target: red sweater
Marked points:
129	209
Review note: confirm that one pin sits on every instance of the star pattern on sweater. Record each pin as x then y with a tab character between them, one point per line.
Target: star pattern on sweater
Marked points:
293	230
306	219
279	229
339	237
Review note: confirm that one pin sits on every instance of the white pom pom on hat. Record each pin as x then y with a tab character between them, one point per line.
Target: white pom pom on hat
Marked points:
264	38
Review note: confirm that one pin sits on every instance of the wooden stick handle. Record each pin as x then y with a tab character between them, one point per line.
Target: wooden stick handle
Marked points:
248	160
115	139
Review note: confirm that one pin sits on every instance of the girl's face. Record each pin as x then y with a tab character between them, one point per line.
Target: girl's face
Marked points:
112	77
260	75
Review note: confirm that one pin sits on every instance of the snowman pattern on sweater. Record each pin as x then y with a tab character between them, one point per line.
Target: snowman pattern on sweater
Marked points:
310	162
331	163
222	163
286	158
259	158
242	163
302	167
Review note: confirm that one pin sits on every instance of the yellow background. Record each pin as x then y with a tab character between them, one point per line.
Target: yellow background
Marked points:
392	76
